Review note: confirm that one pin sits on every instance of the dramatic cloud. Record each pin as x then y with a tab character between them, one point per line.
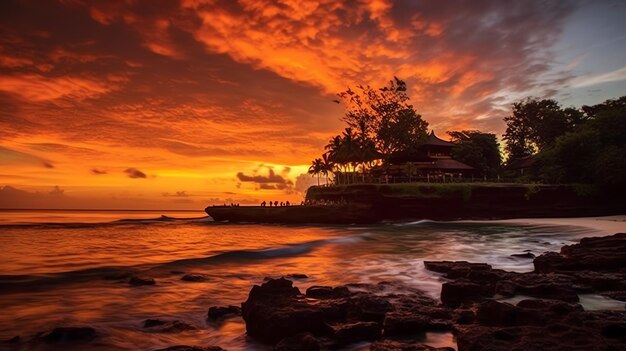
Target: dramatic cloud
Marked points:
134	173
271	181
199	90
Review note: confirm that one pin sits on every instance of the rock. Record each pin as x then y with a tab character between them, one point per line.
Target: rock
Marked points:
604	254
528	255
359	331
194	277
139	281
455	266
276	310
70	335
149	323
403	324
550	291
405	345
191	348
456	292
327	292
297	276
161	326
221	312
13	340
298	342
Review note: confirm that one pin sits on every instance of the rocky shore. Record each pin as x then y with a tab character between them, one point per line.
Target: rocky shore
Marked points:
393	317
484	308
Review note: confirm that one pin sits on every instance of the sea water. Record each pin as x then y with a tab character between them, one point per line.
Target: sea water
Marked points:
58	268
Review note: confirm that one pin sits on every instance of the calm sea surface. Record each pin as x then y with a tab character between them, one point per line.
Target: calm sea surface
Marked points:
53	266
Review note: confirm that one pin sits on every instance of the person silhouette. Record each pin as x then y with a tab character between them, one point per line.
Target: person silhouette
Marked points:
275	203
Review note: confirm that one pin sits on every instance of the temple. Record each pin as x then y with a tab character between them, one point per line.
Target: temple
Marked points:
432	160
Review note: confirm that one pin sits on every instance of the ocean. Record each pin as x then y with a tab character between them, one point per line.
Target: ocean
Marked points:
70	268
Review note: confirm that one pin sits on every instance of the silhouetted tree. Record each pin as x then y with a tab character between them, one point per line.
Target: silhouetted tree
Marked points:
593	152
477	149
316	168
535	124
384	116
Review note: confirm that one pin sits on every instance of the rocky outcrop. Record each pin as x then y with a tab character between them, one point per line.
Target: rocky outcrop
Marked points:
69	335
605	254
162	326
191	348
140	281
217	313
194	277
277	313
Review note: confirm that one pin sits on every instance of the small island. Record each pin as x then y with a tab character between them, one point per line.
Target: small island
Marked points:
387	166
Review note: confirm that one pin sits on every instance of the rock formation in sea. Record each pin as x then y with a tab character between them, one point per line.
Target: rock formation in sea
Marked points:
390	316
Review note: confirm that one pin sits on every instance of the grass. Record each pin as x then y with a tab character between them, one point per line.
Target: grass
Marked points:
419	190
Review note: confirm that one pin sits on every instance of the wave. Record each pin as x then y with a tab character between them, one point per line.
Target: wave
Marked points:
422	221
12	283
125	221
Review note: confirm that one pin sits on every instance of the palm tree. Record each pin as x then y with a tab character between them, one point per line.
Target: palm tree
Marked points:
317	167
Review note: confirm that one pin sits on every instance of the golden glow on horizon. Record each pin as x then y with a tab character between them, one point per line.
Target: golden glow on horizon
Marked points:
150	105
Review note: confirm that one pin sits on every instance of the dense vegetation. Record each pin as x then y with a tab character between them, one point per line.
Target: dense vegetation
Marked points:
584	145
380	123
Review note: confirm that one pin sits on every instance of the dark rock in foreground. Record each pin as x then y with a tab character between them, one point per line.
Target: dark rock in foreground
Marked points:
191	348
70	335
396	345
161	326
217	313
194	277
139	281
595	254
278	313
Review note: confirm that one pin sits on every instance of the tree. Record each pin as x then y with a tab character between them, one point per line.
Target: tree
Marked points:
477	149
316	168
384	116
534	125
594	152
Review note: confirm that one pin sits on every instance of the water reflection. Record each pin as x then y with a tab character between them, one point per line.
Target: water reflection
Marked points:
57	273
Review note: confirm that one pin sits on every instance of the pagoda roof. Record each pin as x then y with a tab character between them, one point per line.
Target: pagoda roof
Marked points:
435	141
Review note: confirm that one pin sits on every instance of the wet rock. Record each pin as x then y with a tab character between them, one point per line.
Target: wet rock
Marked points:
140	281
217	313
604	254
404	345
298	342
368	308
149	323
70	335
161	326
194	277
191	348
276	310
359	331
403	324
13	340
456	292
526	255
296	276
327	292
455	268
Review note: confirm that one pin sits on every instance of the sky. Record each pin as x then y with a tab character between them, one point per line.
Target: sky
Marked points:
179	104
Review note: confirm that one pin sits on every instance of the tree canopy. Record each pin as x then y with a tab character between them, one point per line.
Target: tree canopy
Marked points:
384	116
535	124
477	149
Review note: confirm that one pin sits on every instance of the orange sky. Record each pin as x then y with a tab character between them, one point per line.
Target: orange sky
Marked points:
180	104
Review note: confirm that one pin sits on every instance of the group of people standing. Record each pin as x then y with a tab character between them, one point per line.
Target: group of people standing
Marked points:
275	204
